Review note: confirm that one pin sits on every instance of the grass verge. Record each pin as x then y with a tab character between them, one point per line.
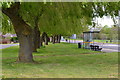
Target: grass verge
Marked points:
60	61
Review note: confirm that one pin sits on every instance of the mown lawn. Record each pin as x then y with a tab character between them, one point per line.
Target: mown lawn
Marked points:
62	60
104	41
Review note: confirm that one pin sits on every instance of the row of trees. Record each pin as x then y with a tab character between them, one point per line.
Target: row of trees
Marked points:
33	22
108	33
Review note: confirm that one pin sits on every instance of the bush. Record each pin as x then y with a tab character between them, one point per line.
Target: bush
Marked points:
14	39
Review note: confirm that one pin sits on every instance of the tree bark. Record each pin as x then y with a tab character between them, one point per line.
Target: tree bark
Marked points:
41	41
36	36
25	51
23	31
46	41
45	38
34	39
56	39
37	32
59	38
53	39
38	46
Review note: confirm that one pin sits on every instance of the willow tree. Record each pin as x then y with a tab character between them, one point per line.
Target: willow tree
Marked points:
23	31
25	19
7	26
32	17
64	18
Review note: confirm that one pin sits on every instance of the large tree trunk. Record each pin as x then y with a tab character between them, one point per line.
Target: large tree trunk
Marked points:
36	36
34	48
38	46
37	33
23	31
25	51
36	40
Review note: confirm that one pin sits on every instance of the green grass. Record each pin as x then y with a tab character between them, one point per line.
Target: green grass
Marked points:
60	61
75	39
104	41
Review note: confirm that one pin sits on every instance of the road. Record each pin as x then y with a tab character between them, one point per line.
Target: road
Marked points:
106	47
109	47
2	46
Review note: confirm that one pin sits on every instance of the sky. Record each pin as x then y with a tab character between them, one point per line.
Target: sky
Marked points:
106	20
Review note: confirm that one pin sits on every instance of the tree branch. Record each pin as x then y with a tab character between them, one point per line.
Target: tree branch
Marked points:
12	10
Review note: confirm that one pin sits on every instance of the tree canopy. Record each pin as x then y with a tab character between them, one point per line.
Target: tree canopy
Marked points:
64	17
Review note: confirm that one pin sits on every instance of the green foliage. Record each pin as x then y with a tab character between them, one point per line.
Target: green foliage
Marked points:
7	26
64	18
106	8
110	33
6	4
56	18
30	10
106	30
14	38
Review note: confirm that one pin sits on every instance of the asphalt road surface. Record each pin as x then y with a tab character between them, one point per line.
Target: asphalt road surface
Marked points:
109	47
106	47
2	46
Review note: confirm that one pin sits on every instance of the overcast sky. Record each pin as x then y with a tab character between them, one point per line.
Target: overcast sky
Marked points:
106	20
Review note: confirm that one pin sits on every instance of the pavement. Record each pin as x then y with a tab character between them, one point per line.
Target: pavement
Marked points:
2	46
106	47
